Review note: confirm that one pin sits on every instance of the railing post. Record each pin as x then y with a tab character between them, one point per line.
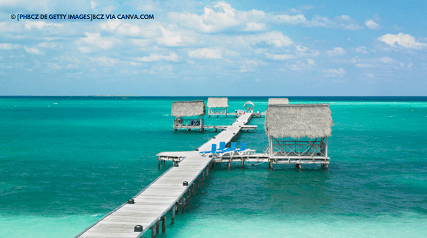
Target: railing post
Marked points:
326	147
270	142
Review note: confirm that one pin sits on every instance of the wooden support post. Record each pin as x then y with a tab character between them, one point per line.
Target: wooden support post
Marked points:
197	184
163	224
188	194
153	231
188	200
173	214
325	166
207	172
270	165
243	163
203	179
298	166
157	227
159	163
188	129
183	206
229	165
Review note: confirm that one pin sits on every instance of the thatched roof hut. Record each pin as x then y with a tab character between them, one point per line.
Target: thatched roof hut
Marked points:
275	101
298	120
188	108
217	102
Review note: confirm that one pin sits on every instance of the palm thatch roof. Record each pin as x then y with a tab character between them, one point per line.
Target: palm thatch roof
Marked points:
298	120
274	101
188	108
217	102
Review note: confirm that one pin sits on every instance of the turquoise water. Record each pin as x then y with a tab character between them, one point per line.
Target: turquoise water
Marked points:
67	161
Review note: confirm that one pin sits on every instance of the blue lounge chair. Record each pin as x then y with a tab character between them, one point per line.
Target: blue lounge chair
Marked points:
213	150
221	147
242	147
243	150
232	147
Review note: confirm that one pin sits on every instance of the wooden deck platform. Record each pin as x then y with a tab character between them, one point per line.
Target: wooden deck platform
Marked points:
166	193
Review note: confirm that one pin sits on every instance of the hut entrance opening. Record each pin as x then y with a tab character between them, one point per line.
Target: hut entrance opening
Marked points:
188	115
217	106
185	122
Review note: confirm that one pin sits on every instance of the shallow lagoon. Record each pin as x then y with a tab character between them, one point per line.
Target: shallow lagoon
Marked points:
67	161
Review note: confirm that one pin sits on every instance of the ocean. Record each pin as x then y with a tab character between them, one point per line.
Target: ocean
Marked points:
67	161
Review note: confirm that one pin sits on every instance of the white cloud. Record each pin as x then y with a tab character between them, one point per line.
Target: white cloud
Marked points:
214	19
291	19
172	36
6	46
404	40
301	65
232	53
364	65
222	17
253	26
93	41
156	57
93	4
33	50
110	25
361	50
304	51
104	61
301	48
40	25
205	53
372	25
334	72
161	69
248	66
279	57
343	22
275	38
386	60
336	51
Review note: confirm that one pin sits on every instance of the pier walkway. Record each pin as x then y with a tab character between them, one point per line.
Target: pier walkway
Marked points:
172	189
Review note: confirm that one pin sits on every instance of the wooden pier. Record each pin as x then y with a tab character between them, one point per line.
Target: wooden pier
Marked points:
171	191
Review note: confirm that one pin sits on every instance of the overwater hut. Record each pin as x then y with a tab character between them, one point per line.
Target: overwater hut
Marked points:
217	106
276	101
286	124
188	115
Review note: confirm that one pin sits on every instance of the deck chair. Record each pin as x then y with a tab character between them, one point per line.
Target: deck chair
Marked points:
243	150
232	147
221	146
213	150
230	151
220	150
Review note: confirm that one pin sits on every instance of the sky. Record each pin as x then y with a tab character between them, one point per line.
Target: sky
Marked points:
215	48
